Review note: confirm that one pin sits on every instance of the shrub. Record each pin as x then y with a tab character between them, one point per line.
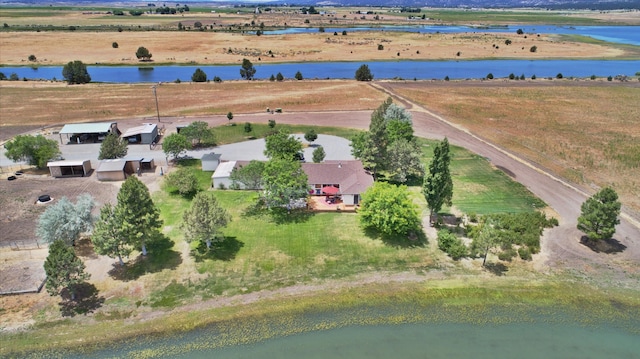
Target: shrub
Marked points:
247	127
519	32
450	243
272	123
559	75
507	254
32	58
593	77
298	76
279	77
533	77
507	42
490	76
217	79
344	32
533	48
272	78
114	45
512	76
522	77
609	78
2	76
446	78
458	53
14	77
380	47
524	253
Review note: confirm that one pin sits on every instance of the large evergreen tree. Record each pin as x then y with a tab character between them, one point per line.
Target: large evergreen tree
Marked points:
438	185
108	238
363	73
64	269
138	216
113	147
65	221
599	214
75	72
247	71
204	219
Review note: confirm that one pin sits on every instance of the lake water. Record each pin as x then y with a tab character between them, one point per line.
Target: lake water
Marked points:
405	332
420	70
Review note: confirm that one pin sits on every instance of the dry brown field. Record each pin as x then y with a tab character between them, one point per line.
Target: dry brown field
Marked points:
587	132
31	105
57	48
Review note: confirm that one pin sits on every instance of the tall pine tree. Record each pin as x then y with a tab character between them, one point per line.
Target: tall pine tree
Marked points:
204	219
108	237
64	269
438	186
138	216
599	215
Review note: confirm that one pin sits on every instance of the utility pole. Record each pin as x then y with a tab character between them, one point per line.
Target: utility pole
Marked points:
156	96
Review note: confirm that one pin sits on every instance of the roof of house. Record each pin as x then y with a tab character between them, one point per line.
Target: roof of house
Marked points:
97	127
211	156
350	175
111	165
138	130
66	163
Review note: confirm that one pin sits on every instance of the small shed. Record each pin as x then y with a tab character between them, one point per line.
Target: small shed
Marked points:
111	170
221	178
118	169
60	169
145	134
210	161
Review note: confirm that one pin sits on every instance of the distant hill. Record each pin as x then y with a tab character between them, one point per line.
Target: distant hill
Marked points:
547	4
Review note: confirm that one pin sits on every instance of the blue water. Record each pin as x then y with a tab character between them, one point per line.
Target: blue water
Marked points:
616	34
420	70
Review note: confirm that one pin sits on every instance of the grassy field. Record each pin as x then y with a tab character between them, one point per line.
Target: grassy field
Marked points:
588	133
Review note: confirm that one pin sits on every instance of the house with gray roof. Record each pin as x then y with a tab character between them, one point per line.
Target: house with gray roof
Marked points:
347	179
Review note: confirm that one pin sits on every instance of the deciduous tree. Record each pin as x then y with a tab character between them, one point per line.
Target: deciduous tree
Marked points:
311	135
35	150
204	219
66	221
175	145
282	145
249	175
139	218
438	185
75	72
108	238
284	181
388	209
64	269
599	214
143	54
113	147
199	134
404	160
184	181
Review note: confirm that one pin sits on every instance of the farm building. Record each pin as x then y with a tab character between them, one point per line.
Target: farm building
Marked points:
60	169
145	134
118	169
210	161
88	132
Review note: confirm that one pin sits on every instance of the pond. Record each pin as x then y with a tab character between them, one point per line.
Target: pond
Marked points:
403	331
419	70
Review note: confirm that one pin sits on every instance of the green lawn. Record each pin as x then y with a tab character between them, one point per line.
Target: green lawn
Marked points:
266	251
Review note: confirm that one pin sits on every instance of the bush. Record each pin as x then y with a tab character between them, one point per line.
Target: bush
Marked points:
519	32
533	77
272	123
380	47
279	77
217	79
2	76
559	75
248	127
114	45
363	73
490	76
450	243
507	42
446	78
32	58
272	78
507	255
298	76
609	78
524	253
593	77
533	48
344	32
199	76
512	76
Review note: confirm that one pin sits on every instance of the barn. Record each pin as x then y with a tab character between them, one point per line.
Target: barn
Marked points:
88	132
80	168
145	134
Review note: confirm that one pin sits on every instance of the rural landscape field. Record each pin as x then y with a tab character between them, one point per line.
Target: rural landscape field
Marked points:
520	146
